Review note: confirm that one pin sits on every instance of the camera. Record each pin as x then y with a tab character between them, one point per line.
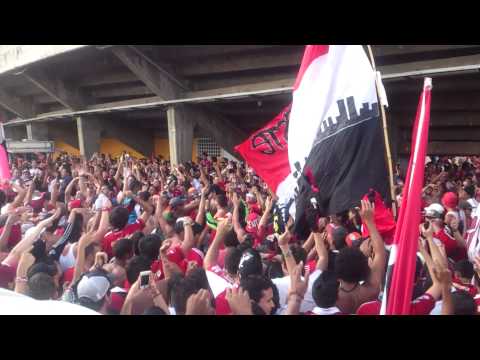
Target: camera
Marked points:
144	279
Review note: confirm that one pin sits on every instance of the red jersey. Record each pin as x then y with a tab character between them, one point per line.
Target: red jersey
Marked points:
113	236
422	305
477	301
68	275
471	289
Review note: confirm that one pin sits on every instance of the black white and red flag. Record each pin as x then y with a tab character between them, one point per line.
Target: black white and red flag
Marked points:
336	148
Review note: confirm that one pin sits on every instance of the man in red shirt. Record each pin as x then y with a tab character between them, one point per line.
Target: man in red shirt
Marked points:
118	220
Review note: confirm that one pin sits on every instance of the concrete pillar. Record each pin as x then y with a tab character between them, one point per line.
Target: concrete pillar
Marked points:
88	136
180	134
37	131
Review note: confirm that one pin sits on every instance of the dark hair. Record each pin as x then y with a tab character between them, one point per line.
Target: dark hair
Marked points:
463	303
53	227
119	217
274	270
149	246
338	236
325	289
154	310
46	267
232	259
298	253
255	285
222	200
90	304
41	286
470	190
123	248
465	268
231	239
136	240
135	266
181	290
199	277
144	195
351	265
90	249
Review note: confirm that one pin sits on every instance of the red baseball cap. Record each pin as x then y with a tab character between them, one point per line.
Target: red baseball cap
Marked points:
450	200
75	204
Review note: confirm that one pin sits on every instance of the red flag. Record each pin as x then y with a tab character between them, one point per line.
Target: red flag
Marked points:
384	220
404	250
266	151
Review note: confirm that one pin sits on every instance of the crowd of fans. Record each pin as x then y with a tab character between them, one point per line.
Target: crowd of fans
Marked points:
140	236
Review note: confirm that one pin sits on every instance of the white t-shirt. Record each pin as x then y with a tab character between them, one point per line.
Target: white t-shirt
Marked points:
473	236
283	284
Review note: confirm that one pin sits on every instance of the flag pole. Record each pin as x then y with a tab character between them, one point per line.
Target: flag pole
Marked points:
385	135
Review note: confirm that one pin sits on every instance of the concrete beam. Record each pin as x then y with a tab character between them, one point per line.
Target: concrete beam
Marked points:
232	63
450	148
175	52
468	101
438	118
17	56
158	83
166	86
22	108
458	63
180	134
449	134
387	50
89	135
56	88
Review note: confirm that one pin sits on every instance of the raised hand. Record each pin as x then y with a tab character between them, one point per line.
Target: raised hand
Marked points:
367	211
297	285
199	304
239	301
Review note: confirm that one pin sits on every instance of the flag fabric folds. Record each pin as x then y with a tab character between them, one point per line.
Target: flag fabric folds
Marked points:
398	294
336	149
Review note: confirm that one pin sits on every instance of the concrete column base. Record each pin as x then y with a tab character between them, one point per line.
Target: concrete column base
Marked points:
89	136
180	134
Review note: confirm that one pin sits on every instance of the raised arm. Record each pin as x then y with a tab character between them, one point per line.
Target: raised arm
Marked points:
283	241
322	262
223	228
236	219
85	240
55	193
297	290
377	270
189	240
201	208
28	240
164	225
147	209
11	220
29	194
259	198
266	214
68	190
21	192
436	289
